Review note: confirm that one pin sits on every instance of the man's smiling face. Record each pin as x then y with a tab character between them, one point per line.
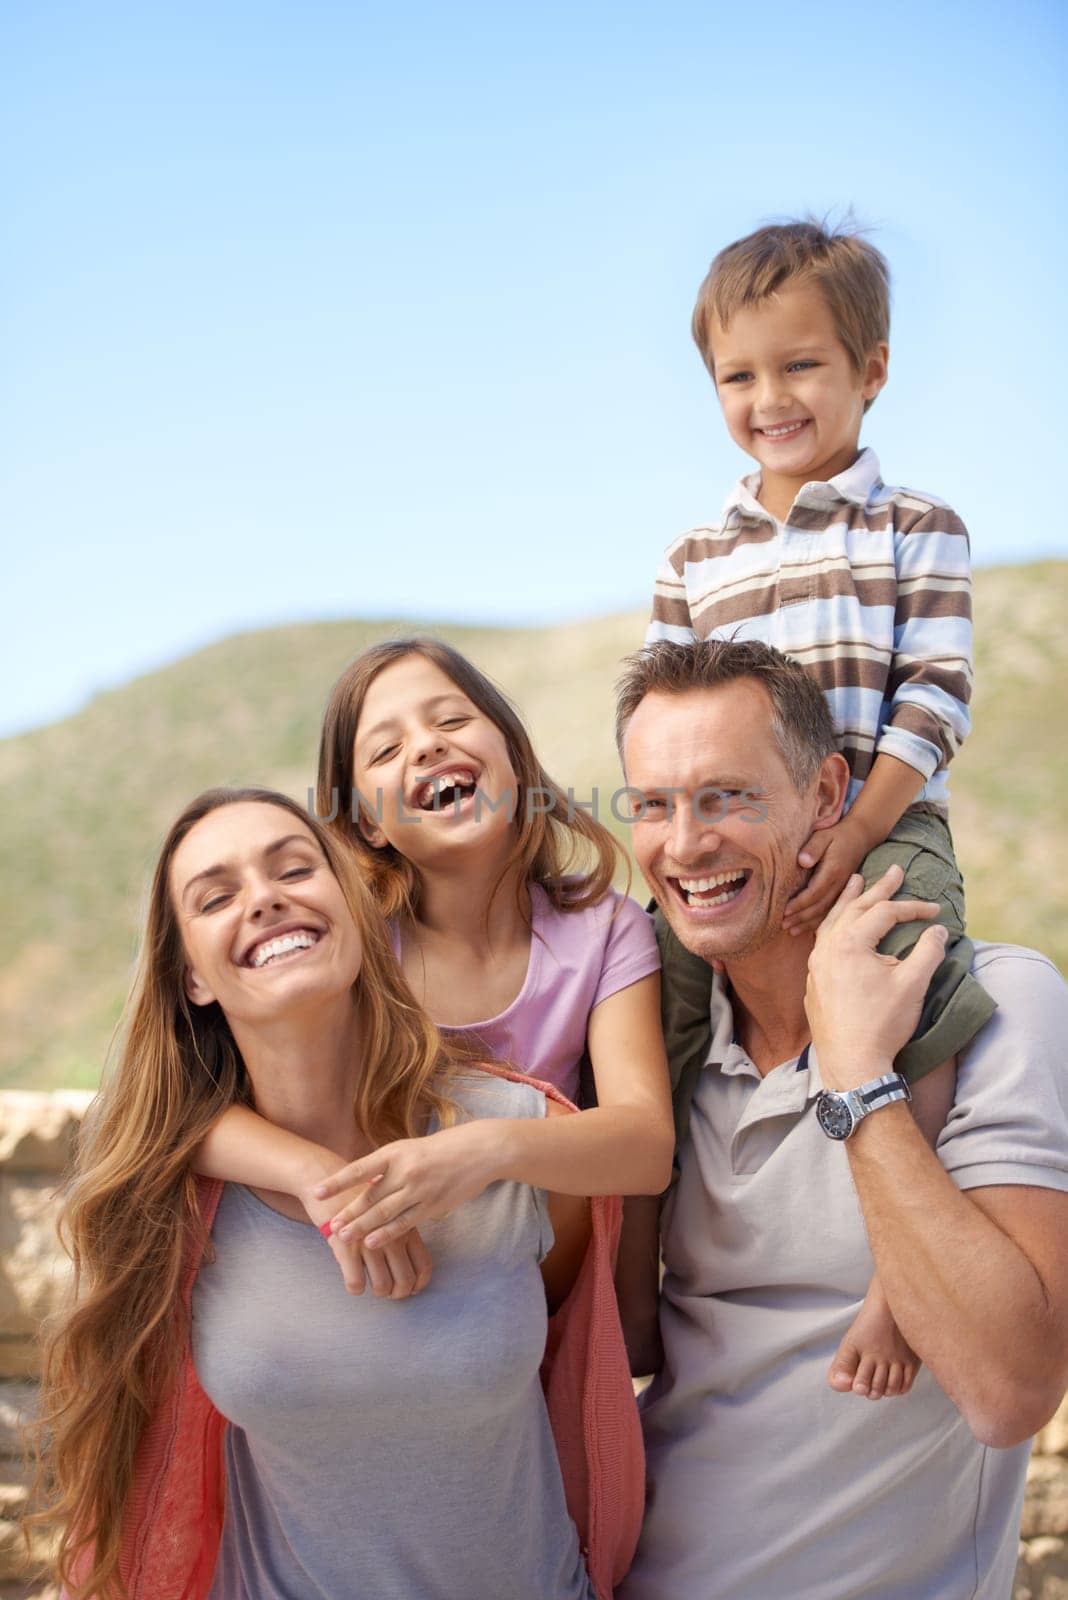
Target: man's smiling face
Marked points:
722	869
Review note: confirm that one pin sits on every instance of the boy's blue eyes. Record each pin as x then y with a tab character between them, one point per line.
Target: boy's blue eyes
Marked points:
747	377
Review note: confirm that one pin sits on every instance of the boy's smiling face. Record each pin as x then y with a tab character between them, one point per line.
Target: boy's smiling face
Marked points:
791	396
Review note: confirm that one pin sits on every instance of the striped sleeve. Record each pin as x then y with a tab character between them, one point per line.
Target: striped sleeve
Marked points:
930	680
670	616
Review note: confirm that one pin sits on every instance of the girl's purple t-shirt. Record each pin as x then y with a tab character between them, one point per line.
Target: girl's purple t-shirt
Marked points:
577	959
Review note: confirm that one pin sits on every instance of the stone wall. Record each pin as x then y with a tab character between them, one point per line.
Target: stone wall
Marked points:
1043	1570
37	1134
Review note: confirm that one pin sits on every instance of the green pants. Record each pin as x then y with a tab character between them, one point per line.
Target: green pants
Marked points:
956	1006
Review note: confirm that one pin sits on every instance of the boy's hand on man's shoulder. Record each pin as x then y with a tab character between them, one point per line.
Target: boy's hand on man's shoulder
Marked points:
832	855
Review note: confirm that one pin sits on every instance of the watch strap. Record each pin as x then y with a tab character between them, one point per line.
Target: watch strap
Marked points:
879	1092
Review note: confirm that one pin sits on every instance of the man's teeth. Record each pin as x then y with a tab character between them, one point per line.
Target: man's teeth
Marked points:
701	891
280	947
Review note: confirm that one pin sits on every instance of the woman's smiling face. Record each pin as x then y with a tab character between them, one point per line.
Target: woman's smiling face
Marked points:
433	770
264	923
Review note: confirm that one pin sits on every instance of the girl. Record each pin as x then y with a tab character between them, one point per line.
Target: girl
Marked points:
470	849
230	1425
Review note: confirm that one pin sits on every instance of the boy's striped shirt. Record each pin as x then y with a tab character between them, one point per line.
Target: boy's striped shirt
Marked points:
869	587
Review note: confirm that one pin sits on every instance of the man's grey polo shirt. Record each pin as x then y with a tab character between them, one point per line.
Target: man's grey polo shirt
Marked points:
764	1483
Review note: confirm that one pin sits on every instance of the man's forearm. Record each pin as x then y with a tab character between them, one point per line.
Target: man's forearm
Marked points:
966	1297
978	1282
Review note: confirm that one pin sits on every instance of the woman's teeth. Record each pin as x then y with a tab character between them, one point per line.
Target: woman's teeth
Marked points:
714	891
282	946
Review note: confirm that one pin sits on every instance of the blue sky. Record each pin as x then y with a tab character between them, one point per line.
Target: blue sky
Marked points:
335	309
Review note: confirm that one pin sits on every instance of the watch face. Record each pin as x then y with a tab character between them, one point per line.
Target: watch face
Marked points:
835	1117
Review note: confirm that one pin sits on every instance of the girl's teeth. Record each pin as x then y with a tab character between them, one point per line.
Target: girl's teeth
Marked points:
436	787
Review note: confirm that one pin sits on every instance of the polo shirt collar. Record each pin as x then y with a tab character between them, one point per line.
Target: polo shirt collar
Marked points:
854	486
796	1087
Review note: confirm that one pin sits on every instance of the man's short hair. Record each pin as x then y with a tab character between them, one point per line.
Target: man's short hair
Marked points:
850	273
801	721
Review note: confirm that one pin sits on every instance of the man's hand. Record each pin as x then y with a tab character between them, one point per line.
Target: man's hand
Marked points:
861	1006
833	854
410	1181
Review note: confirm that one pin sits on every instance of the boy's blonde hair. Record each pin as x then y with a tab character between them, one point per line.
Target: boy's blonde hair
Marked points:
850	273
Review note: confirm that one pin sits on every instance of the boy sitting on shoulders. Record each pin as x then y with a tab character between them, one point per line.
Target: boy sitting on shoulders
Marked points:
868	587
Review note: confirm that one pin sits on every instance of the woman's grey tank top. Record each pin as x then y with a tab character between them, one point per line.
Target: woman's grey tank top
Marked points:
387	1450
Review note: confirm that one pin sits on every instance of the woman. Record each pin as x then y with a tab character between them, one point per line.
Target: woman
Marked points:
373	1447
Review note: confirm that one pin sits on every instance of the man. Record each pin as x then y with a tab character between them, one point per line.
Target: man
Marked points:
764	1483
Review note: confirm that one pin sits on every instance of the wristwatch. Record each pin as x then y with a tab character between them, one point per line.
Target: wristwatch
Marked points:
839	1114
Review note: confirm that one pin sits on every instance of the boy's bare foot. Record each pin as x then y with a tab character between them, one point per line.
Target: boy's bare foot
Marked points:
873	1358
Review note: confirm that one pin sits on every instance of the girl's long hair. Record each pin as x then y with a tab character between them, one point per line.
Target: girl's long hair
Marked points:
130	1213
557	844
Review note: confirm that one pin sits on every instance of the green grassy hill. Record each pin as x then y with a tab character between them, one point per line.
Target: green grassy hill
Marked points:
83	803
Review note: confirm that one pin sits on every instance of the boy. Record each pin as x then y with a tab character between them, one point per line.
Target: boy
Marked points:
869	588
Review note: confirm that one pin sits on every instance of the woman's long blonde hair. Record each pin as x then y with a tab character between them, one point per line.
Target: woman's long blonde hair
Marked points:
557	845
130	1214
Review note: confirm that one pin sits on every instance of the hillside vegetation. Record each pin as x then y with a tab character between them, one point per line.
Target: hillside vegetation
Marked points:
83	803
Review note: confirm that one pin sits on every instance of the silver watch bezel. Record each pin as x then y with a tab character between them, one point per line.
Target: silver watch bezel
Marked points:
860	1102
